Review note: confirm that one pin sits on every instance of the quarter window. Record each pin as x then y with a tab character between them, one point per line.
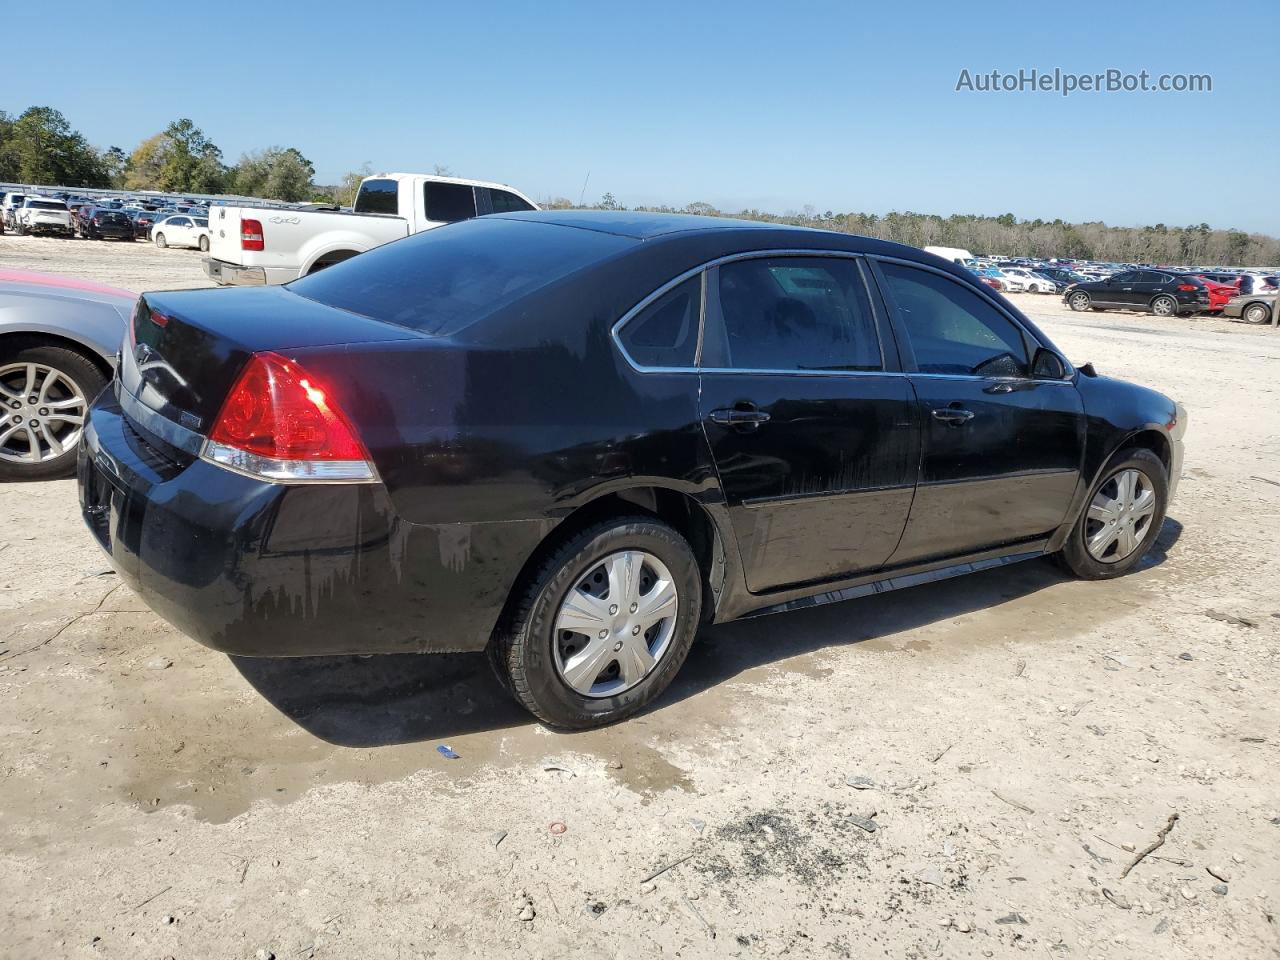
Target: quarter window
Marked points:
665	333
449	202
505	202
793	313
952	330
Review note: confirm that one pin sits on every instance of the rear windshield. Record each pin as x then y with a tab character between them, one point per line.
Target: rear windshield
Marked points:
46	204
377	196
441	280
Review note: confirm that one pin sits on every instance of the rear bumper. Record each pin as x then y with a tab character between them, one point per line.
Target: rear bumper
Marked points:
262	569
233	274
46	227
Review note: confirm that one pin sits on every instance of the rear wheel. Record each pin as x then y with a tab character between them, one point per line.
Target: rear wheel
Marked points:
204	244
1122	518
1080	301
1256	313
160	241
45	393
600	628
1164	306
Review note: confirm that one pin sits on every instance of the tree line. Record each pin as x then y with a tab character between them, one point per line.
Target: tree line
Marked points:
40	146
1195	245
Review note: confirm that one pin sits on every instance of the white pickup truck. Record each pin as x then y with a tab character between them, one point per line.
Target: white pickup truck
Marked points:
256	245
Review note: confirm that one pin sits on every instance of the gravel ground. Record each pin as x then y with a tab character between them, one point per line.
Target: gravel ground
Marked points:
1024	736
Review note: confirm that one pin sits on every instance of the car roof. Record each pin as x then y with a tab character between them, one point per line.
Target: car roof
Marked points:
645	226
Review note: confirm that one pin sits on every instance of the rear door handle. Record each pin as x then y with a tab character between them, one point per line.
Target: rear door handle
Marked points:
953	415
747	416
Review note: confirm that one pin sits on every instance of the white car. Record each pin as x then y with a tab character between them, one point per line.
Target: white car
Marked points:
1022	280
42	215
181	231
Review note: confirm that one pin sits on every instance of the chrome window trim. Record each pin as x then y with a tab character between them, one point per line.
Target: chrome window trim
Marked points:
616	329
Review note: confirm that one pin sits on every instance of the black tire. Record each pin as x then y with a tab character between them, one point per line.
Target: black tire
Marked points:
1080	301
160	241
521	647
1075	555
1256	313
87	376
204	244
1164	307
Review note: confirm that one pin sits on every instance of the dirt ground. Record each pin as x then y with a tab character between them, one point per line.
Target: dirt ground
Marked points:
1024	735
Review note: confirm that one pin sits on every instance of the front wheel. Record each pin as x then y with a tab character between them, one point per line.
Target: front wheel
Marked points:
1122	518
1080	302
600	628
160	241
1257	313
1164	306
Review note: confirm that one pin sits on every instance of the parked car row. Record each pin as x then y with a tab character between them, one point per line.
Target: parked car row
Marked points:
185	226
1163	291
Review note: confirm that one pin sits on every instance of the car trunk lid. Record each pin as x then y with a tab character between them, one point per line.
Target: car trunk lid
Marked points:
186	348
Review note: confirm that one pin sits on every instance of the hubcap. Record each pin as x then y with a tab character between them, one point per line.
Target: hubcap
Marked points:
616	624
1119	516
1079	301
43	413
1163	308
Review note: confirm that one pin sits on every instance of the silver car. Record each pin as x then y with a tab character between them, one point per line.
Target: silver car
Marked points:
1251	308
58	343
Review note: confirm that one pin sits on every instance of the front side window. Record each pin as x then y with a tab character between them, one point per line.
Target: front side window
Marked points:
794	313
377	196
449	202
665	333
952	329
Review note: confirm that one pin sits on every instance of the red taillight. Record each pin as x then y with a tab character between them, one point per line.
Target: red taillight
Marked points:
278	423
251	235
1188	287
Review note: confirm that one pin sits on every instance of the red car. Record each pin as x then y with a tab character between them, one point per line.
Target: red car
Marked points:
992	282
1219	293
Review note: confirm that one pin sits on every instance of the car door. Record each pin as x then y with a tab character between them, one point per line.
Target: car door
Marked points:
1122	289
1001	449
1146	284
813	428
179	232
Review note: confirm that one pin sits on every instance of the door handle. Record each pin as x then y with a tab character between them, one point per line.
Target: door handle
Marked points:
746	417
953	415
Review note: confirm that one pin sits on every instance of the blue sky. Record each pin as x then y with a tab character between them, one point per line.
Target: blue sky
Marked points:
842	106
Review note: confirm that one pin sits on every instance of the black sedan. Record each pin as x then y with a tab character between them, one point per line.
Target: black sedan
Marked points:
103	223
571	439
1157	291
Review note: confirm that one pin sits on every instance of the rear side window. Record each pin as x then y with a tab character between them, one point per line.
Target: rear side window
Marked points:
951	328
793	313
665	333
505	202
377	196
440	281
449	202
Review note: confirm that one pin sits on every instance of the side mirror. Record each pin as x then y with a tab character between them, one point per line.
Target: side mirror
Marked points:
1047	365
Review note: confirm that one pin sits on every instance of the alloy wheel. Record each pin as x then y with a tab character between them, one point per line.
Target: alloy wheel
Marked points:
616	624
1120	515
1162	307
42	413
1079	301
